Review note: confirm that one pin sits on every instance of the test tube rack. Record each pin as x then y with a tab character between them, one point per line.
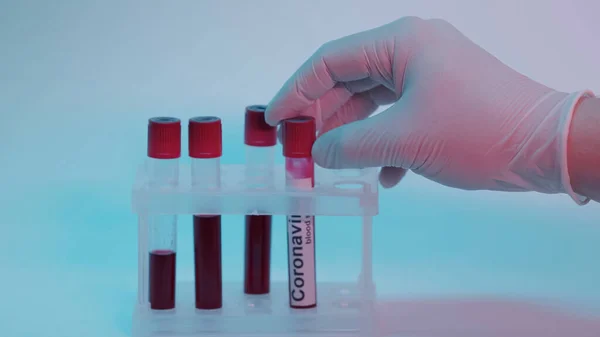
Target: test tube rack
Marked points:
344	309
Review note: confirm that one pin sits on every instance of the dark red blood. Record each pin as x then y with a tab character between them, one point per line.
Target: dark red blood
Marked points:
207	261
257	264
162	279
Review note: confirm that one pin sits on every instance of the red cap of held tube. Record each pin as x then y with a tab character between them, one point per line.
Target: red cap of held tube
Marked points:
164	138
205	137
299	135
256	131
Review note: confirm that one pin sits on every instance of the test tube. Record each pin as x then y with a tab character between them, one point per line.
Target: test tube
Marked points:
205	149
164	150
298	137
260	139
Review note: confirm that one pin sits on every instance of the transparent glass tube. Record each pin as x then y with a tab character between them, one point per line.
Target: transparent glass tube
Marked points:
259	166
162	239
257	243
206	173
162	172
208	282
301	238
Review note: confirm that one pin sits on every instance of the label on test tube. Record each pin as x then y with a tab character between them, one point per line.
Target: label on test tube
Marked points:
301	239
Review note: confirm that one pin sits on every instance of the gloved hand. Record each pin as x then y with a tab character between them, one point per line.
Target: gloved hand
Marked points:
459	117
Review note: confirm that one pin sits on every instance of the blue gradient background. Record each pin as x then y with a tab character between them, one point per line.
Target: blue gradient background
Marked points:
78	80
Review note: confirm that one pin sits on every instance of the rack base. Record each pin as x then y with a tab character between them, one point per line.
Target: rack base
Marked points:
342	310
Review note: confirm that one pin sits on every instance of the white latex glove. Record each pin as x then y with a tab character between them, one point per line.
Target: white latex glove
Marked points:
459	117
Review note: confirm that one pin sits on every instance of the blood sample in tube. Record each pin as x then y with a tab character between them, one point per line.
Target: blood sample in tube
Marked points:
298	137
207	261
205	149
260	139
164	150
162	279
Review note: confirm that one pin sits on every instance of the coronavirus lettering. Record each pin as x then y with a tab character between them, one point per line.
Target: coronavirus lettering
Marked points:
301	254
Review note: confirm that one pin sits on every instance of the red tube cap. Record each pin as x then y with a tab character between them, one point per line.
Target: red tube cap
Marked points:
256	131
164	138
299	135
205	137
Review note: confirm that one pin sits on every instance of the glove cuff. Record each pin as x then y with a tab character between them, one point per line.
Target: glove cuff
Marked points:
541	162
568	107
